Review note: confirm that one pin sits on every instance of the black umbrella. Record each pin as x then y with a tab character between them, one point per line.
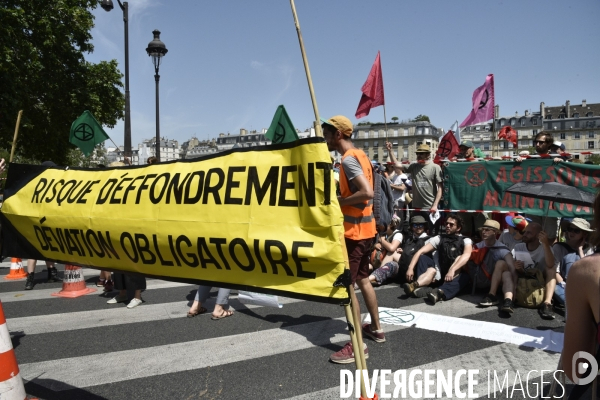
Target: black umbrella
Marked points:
553	191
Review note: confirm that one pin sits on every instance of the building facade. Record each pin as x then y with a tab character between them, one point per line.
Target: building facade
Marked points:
575	125
169	149
404	136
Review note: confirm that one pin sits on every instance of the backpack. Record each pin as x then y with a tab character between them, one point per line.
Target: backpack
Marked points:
383	200
449	249
530	289
409	249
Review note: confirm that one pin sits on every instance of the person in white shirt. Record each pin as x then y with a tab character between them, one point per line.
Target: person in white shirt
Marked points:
398	184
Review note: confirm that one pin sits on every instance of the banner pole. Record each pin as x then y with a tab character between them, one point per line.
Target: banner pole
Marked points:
14	143
307	69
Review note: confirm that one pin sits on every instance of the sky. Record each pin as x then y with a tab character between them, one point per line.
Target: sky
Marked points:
230	63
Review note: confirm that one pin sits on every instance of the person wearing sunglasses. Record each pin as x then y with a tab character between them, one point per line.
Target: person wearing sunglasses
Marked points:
573	249
452	252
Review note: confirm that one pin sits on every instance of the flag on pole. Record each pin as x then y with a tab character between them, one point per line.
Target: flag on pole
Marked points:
86	133
447	149
457	132
509	134
281	130
483	103
372	91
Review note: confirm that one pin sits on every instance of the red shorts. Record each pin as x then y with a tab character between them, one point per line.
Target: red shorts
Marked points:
359	257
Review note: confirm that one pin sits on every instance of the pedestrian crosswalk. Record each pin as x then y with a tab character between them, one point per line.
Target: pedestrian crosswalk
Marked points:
84	348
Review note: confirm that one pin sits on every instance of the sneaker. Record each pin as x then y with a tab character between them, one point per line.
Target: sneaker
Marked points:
435	295
134	303
409	288
546	311
507	306
422	292
377	336
108	286
29	283
117	299
489	300
346	355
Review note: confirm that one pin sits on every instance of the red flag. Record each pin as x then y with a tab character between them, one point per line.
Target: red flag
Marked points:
509	134
372	91
447	149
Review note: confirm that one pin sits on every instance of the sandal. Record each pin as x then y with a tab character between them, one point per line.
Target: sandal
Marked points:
100	282
201	310
224	314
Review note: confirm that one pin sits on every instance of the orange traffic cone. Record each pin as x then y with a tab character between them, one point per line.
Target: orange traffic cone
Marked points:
11	384
16	270
73	283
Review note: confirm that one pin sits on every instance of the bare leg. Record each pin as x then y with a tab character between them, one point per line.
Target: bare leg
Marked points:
550	285
497	276
370	300
138	294
426	278
507	285
31	266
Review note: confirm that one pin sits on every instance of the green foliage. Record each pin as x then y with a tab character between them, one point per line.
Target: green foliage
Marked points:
395	119
44	73
595	158
364	123
75	157
421	117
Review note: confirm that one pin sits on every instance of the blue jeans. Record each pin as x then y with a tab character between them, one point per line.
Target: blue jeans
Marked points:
559	294
204	291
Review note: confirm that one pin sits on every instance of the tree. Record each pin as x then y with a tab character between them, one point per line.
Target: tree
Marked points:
395	119
595	158
421	117
44	73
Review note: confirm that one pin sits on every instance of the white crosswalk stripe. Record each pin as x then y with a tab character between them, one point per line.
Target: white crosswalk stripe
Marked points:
274	340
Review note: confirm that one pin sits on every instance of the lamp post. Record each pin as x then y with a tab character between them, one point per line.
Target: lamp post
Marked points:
156	49
107	5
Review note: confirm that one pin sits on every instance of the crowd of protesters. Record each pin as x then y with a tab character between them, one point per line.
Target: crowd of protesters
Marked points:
431	254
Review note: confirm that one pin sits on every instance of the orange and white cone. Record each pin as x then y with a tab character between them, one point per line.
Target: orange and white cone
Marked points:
73	283
16	269
11	384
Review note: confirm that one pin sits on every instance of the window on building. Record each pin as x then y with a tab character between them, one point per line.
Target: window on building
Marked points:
522	121
591	135
395	143
561	116
375	144
502	122
576	124
426	130
590	144
405	153
477	128
419	143
486	145
405	142
590	114
534	121
549	116
395	132
576	145
366	145
513	121
405	131
374	134
563	136
419	131
575	115
576	135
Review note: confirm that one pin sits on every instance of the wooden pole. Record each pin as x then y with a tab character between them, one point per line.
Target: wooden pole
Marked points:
14	144
307	69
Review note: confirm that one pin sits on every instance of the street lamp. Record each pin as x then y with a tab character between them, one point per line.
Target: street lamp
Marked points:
107	5
157	49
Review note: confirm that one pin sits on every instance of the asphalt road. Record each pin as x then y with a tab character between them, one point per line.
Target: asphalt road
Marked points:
83	348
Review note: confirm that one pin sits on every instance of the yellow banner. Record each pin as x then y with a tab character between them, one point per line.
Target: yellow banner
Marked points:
265	218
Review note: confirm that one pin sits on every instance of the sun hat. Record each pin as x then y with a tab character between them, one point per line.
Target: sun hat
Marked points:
582	224
417	219
490	223
423	148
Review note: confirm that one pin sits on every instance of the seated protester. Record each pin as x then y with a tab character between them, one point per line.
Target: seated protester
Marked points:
568	252
452	251
536	243
385	248
516	227
398	264
497	267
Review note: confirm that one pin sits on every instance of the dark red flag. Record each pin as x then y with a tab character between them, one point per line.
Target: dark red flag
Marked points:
447	149
509	134
372	91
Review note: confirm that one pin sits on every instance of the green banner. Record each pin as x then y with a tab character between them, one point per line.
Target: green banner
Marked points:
481	185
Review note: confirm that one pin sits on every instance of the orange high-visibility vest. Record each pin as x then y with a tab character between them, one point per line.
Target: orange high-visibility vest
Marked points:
359	221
